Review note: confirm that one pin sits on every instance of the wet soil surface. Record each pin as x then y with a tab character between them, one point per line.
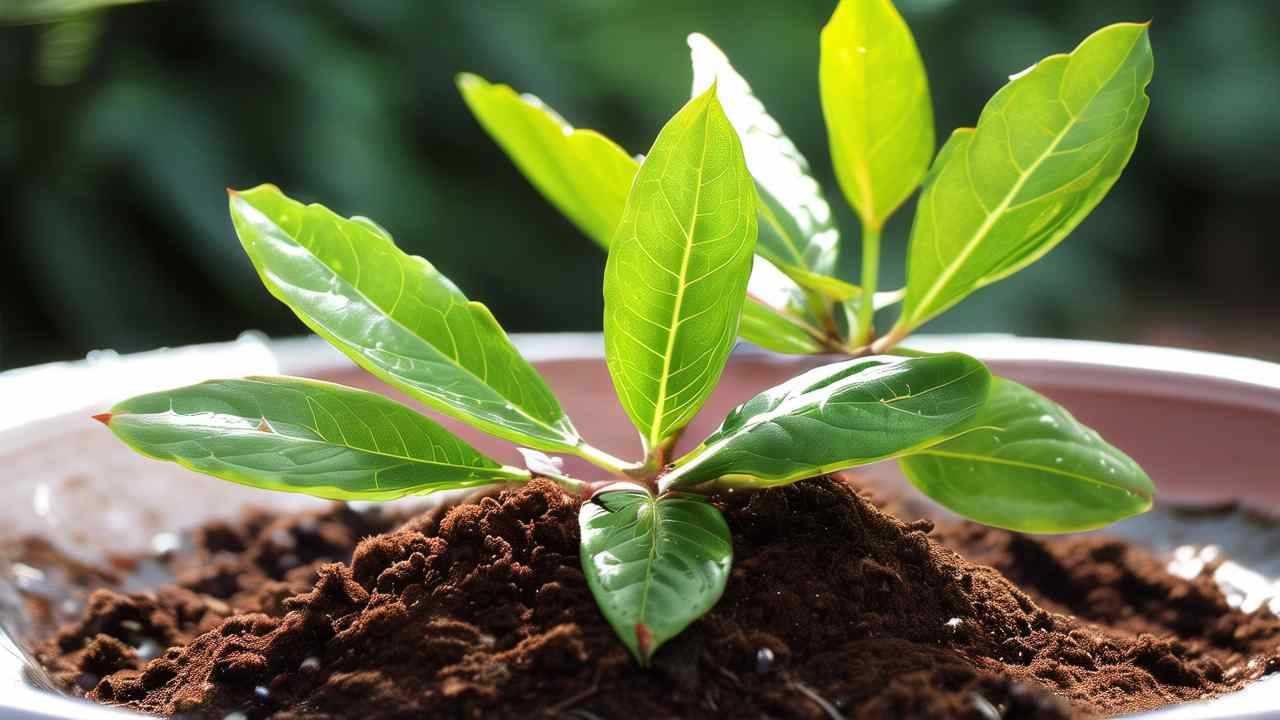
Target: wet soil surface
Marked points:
835	609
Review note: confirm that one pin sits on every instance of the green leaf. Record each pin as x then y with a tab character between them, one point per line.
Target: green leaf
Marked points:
653	565
796	230
583	173
304	436
1025	464
776	330
396	316
1047	148
838	416
677	272
875	98
777	313
587	177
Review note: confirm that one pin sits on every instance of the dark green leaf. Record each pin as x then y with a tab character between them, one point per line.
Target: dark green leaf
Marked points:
653	565
1025	464
838	416
875	98
396	316
677	272
303	436
583	173
1047	148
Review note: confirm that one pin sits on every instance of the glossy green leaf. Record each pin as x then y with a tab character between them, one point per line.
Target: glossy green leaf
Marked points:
677	272
304	436
1047	148
838	416
396	316
653	565
583	173
1025	464
875	98
796	229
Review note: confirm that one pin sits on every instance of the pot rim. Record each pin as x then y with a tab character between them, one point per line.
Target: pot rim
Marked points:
51	390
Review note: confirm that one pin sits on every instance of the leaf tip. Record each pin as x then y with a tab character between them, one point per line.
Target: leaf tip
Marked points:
644	643
466	80
104	418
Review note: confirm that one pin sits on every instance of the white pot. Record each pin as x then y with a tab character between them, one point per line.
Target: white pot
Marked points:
1201	424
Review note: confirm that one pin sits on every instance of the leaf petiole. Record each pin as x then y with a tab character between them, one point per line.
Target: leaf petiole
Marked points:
602	459
870	276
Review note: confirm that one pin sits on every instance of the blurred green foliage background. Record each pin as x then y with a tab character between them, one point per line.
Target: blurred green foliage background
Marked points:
122	122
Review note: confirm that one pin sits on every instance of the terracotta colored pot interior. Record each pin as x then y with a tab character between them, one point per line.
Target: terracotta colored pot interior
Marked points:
1196	448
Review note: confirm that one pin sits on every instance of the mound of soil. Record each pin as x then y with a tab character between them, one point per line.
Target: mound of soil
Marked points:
835	609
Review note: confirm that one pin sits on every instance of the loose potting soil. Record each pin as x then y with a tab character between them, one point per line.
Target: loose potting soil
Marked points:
835	609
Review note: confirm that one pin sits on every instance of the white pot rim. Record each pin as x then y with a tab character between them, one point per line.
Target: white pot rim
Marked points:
51	390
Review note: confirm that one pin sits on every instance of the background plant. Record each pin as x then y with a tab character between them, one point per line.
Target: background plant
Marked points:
718	229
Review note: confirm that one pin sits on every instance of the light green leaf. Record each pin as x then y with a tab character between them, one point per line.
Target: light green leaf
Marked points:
831	288
777	314
776	330
653	565
587	177
397	317
583	173
677	272
875	98
796	229
1047	148
879	301
838	416
304	436
1025	464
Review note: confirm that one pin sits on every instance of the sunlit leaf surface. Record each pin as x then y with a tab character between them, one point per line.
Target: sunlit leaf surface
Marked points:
838	416
796	229
1025	464
1047	148
875	99
396	316
583	173
677	272
304	436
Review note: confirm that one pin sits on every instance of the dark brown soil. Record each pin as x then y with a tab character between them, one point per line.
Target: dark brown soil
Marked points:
834	609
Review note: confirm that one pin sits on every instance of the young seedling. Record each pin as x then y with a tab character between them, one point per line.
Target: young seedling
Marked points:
722	191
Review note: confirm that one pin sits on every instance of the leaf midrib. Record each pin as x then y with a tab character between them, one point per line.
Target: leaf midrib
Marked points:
570	440
777	412
659	408
253	432
652	504
972	457
994	216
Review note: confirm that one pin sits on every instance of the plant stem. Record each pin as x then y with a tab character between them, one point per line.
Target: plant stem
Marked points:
870	276
895	336
573	486
600	458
